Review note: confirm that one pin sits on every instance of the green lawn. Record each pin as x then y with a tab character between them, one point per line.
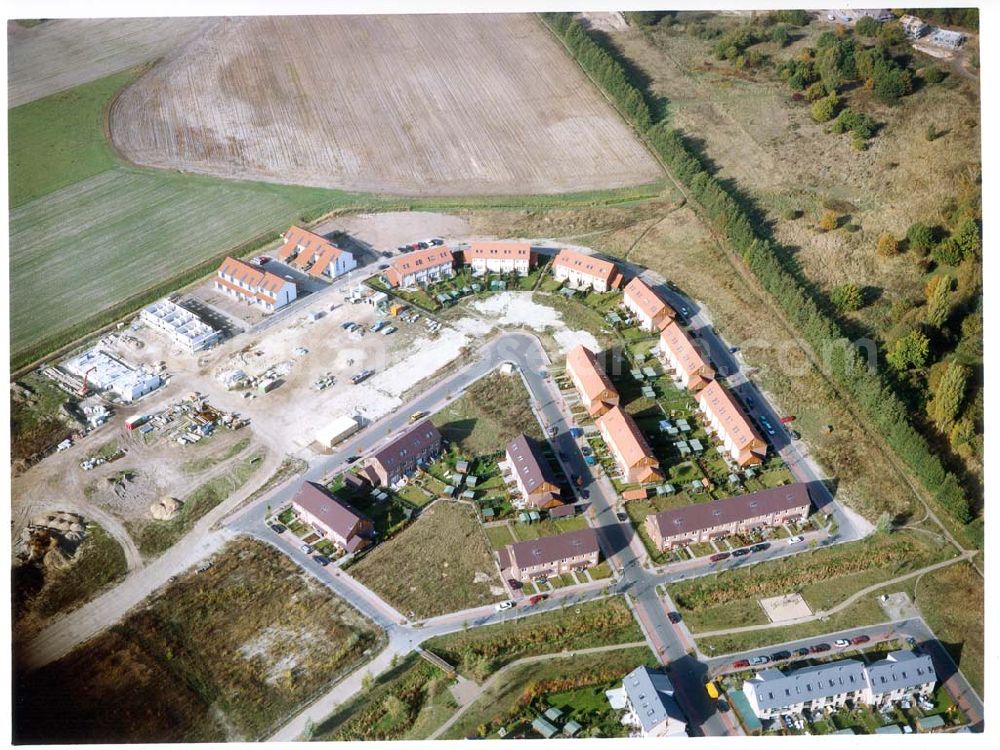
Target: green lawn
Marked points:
479	652
547	527
155	537
499	536
409	701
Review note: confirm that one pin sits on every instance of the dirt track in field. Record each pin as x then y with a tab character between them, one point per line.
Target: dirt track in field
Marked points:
62	53
461	104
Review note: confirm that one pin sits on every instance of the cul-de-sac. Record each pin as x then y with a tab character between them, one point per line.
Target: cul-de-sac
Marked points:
496	376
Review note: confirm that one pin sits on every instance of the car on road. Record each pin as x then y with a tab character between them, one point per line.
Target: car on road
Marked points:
819	648
537	598
795	539
501	606
277	528
437	241
622	516
422	245
378	325
577	480
841	643
383	266
346	325
750	402
766	425
859	639
741	664
762	547
733	349
305	548
585	450
591	460
352	459
674	617
743	552
719	557
684	311
417	415
553	431
801	652
781	655
756	661
514	583
386	254
322	560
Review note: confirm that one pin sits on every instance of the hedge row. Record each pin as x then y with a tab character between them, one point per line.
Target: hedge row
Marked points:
870	389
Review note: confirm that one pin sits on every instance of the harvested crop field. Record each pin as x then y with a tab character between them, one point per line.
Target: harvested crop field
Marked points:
441	563
445	105
227	654
61	53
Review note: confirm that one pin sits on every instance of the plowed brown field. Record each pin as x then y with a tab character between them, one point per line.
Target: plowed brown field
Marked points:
447	105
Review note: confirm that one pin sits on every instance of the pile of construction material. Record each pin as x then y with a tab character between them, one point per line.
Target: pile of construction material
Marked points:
44	538
165	508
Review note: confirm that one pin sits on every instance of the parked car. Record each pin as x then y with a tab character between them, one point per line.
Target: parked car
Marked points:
553	431
417	415
501	606
733	349
622	516
801	652
795	539
514	583
306	548
277	528
389	330
719	557
741	552
684	311
437	241
346	325
383	266
841	643
741	664
577	480
536	599
422	245
750	402
322	560
674	617
762	547
756	661
352	459
819	648
386	254
859	639
403	249
781	655
585	450
591	460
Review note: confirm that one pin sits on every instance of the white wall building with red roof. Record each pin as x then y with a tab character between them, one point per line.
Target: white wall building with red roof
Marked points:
314	255
253	285
499	257
421	267
582	271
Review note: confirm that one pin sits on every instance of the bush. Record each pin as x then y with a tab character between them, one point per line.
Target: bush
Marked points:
888	245
780	36
824	109
829	220
815	92
909	351
791	214
919	238
968	239
847	297
933	74
866	26
891	83
792	17
948	252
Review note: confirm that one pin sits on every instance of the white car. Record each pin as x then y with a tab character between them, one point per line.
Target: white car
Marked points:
501	606
796	539
306	548
841	643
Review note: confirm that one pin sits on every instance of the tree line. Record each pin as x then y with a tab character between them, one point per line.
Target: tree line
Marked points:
871	390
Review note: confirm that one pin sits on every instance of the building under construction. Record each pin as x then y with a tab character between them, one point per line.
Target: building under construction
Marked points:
99	371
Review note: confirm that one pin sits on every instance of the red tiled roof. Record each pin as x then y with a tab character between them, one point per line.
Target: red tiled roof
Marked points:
702	516
429	258
588	264
723	406
255	277
646	299
624	433
582	363
693	365
504	250
308	248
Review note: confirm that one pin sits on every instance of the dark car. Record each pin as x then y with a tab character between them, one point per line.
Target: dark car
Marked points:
762	547
386	254
741	552
514	583
674	617
819	648
622	516
322	560
858	639
403	248
802	652
277	528
437	241
750	401
422	245
383	266
781	655
741	664
352	459
719	557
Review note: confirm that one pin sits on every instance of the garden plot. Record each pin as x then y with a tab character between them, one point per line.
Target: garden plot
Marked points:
519	309
414	109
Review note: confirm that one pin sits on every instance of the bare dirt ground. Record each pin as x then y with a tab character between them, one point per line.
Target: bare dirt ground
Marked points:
389	230
61	53
459	104
785	607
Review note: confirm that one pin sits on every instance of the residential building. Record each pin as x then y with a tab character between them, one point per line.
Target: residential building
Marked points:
421	267
651	705
913	26
593	385
180	325
652	312
332	518
103	372
679	353
947	39
532	473
550	555
251	284
314	255
499	257
772	693
413	448
733	428
581	271
702	522
900	674
632	453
